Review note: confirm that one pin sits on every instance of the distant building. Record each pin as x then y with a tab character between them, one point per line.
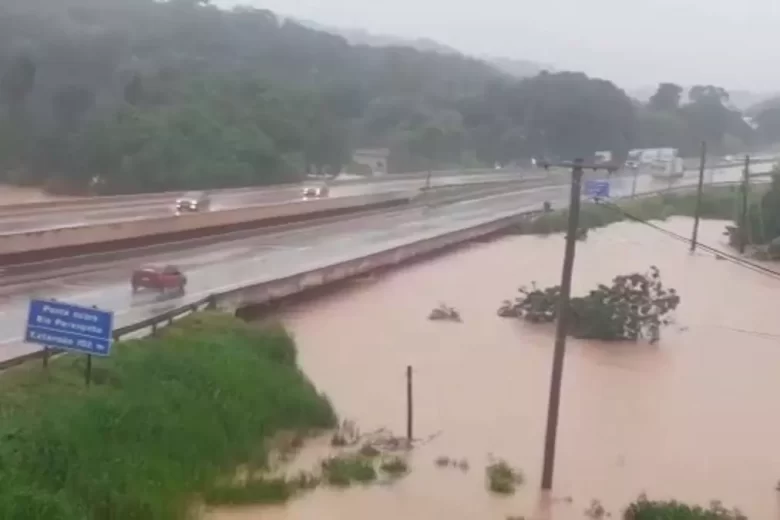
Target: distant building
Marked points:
374	158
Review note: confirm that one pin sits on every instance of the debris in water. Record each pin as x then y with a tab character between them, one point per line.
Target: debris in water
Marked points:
445	313
596	511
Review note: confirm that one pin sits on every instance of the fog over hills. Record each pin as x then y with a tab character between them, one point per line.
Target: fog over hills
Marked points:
739	99
515	67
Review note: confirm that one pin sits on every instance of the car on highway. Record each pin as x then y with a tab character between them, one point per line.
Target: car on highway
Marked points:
162	278
193	201
315	192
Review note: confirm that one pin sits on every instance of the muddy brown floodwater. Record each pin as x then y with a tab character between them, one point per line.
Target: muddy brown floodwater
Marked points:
695	417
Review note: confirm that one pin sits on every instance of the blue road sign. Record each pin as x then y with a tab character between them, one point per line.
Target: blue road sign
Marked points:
70	327
597	189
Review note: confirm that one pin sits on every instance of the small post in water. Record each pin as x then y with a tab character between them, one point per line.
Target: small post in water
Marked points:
409	406
697	211
743	221
88	370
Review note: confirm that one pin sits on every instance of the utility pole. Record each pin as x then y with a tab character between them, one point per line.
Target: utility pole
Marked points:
633	183
697	214
559	352
743	223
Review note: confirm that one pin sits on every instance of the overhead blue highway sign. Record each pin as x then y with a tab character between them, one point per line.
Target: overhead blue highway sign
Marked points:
70	327
597	189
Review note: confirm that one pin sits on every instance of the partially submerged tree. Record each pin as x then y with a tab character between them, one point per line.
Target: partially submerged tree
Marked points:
646	509
635	306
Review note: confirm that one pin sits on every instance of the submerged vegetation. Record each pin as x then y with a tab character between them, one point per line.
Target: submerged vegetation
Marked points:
645	509
635	306
164	419
503	478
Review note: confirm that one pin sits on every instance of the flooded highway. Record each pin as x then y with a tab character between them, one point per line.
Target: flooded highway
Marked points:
693	417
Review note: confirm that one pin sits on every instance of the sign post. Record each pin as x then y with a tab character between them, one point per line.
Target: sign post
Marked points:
597	189
75	328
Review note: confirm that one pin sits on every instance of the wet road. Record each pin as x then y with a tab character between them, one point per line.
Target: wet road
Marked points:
231	265
21	221
27	221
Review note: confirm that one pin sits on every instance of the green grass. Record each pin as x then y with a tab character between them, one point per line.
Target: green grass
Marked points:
164	420
255	491
716	203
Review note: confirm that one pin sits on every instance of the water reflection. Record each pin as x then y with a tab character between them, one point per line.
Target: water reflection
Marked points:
693	417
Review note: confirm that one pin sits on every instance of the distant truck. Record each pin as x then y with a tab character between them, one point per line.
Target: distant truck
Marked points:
671	169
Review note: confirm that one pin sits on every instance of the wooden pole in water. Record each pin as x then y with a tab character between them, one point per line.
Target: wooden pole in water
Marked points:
561	328
697	213
409	406
743	223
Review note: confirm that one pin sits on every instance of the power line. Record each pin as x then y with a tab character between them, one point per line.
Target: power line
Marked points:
742	262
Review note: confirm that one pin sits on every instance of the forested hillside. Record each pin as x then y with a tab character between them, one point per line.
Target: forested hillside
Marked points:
119	96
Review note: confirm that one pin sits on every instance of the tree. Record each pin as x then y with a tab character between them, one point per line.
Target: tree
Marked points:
134	92
708	94
768	122
666	98
708	118
17	83
71	103
153	95
635	306
326	148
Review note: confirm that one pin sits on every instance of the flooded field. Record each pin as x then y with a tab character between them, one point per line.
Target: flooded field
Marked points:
694	417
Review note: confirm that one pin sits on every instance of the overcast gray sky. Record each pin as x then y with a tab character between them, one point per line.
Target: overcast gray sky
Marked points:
732	43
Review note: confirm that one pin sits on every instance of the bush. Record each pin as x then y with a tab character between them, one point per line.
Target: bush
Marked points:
634	306
165	418
503	478
644	509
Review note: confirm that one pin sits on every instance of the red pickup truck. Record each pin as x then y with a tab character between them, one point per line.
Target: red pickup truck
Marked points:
159	278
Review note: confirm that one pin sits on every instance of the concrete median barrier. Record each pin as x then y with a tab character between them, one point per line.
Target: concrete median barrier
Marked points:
246	298
42	245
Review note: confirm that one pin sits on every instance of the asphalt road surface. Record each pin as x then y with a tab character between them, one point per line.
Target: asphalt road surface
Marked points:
83	216
223	266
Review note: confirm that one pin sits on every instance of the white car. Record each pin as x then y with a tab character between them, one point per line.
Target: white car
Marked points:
315	192
193	202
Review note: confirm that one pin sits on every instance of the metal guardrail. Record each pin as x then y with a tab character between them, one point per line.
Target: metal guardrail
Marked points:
154	323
